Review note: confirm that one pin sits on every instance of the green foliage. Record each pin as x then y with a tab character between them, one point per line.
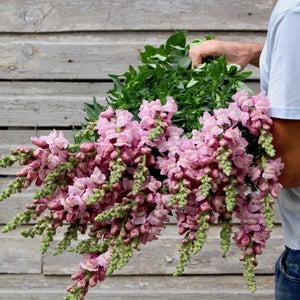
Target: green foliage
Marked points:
166	71
92	110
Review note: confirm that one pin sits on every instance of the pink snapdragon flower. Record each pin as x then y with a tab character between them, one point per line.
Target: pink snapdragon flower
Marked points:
55	141
272	169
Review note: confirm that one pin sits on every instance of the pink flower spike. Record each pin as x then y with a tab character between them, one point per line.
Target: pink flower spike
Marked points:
272	169
40	142
261	102
103	259
123	117
98	177
234	113
87	147
170	106
56	141
60	141
240	97
107	114
222	116
89	263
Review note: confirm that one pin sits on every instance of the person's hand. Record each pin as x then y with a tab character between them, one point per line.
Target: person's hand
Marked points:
236	53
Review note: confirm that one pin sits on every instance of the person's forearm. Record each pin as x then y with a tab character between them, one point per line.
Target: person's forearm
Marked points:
286	140
255	52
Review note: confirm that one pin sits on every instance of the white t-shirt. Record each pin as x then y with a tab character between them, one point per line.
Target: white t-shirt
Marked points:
280	61
280	79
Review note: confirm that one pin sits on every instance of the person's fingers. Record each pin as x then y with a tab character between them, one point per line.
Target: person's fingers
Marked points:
196	59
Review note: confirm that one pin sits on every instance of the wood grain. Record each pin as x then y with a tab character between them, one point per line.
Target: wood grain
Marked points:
226	287
88	56
18	255
93	15
51	104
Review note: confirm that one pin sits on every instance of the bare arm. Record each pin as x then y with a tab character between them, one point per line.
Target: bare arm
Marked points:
286	140
236	53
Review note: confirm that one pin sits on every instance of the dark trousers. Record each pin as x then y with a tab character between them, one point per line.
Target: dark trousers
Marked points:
287	275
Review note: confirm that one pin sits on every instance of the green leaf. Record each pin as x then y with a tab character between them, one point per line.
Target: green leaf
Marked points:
242	86
232	68
184	62
191	83
178	48
209	36
177	39
160	57
149	51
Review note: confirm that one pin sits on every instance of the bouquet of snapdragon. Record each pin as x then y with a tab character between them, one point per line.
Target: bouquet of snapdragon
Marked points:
171	141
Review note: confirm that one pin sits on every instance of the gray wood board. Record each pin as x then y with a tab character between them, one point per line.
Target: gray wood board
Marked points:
226	287
49	104
93	15
18	255
87	55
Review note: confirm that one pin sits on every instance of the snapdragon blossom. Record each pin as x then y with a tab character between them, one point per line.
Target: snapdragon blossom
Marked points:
120	189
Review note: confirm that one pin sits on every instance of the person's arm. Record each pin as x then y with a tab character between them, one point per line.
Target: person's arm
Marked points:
286	140
284	94
236	53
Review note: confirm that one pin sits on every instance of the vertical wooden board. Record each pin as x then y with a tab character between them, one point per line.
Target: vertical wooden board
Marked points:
18	255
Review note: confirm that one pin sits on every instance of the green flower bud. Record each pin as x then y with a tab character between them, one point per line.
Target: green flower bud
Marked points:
225	235
249	272
230	193
46	240
225	163
12	188
205	186
18	220
96	196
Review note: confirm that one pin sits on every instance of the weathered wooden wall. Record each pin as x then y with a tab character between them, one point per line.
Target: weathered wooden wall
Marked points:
55	55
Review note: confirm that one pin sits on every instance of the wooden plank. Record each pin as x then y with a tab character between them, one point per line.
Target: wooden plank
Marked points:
39	287
17	255
9	208
161	257
85	56
93	15
47	104
51	104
